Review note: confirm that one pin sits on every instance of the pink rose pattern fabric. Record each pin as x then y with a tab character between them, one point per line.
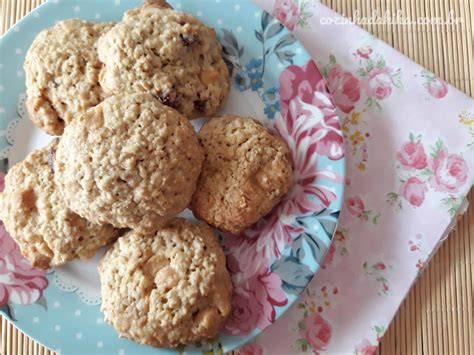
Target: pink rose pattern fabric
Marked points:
356	207
436	87
292	13
317	331
412	156
365	347
419	175
413	190
344	87
338	247
287	12
409	158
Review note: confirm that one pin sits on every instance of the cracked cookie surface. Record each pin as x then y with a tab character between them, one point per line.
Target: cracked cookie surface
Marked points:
169	54
36	216
62	73
167	288
129	161
246	172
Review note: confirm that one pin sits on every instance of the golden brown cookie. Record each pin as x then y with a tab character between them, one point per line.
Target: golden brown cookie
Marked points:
169	54
36	216
167	288
62	73
246	172
130	161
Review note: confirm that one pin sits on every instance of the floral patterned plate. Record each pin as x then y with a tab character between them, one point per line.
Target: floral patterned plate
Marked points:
271	263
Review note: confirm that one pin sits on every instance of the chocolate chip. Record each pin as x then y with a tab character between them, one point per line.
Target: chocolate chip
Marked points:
200	105
168	99
188	40
165	100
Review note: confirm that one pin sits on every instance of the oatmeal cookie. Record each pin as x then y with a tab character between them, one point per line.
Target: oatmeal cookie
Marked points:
246	172
36	216
62	73
129	161
169	54
167	288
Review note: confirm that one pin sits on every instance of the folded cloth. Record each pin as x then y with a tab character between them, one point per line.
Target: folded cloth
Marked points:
409	139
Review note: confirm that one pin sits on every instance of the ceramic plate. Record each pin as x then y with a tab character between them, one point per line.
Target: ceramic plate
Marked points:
274	80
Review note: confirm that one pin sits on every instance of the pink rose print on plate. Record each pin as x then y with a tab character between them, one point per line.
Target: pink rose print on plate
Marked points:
254	301
304	96
309	126
287	12
450	172
378	83
413	190
317	332
250	349
355	206
259	246
412	156
344	87
20	283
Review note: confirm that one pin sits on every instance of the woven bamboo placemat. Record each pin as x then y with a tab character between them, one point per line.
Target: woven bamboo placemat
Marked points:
437	316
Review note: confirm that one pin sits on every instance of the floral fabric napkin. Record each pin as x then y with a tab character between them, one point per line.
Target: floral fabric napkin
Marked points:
409	140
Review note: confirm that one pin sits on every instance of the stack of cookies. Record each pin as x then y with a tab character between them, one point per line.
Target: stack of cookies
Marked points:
128	160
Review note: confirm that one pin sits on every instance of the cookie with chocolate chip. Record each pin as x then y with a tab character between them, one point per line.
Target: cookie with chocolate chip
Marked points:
62	73
36	216
167	288
167	53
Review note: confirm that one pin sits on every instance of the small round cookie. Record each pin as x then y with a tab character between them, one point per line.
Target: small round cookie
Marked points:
246	172
169	54
62	73
129	161
167	288
36	216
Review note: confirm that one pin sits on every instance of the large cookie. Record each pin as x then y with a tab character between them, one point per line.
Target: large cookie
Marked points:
167	288
130	161
36	216
169	54
246	172
62	73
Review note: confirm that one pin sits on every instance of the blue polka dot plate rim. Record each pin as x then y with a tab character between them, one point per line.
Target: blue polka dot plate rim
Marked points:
274	80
